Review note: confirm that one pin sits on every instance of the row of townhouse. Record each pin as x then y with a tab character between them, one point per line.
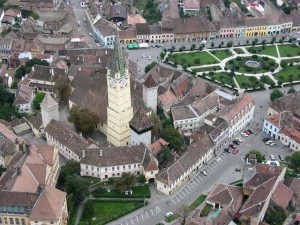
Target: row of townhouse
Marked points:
282	121
219	126
194	29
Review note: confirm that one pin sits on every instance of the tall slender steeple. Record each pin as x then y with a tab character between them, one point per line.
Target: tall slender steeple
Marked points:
117	64
119	109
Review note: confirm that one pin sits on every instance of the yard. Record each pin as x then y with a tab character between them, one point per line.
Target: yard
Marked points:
205	69
247	82
267	80
289	50
102	212
221	54
224	78
288	74
137	192
240	64
192	59
264	50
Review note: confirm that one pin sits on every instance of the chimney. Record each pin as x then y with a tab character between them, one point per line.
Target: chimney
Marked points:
80	134
101	152
83	154
99	60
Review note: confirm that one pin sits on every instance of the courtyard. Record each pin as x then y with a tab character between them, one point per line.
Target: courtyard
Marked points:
242	68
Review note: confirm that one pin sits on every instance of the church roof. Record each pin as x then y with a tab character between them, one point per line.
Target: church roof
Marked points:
48	101
117	64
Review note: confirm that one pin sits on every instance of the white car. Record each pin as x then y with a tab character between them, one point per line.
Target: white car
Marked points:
98	45
204	173
244	134
240	140
149	57
91	34
168	214
272	157
203	42
269	142
298	39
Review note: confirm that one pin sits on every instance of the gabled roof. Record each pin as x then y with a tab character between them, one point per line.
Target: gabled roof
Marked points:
23	95
49	205
142	29
48	101
282	196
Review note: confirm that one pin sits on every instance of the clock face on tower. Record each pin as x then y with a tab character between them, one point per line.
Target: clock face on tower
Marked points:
112	82
123	82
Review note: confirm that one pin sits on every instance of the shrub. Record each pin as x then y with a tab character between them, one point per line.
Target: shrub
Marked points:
254	56
211	73
265	58
272	63
205	211
238	58
283	64
230	61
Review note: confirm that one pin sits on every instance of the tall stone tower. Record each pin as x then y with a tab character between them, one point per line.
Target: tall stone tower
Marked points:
49	109
119	109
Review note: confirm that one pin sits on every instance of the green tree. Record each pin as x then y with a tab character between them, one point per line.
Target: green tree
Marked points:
229	44
62	87
291	90
294	159
125	182
77	186
38	99
193	46
258	154
35	61
20	72
212	44
83	119
171	135
164	155
8	112
150	66
88	210
276	215
184	212
276	93
141	179
2	170
70	168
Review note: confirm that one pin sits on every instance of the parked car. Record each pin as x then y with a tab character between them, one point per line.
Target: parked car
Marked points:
157	46
98	45
204	173
244	134
281	157
232	146
168	214
250	131
203	42
239	140
96	40
272	144
269	142
91	34
149	57
235	142
235	151
227	150
247	132
272	157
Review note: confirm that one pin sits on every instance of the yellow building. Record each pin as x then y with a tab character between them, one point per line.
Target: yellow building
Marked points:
127	36
256	26
119	108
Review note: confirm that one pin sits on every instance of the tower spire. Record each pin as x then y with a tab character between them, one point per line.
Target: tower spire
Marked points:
117	64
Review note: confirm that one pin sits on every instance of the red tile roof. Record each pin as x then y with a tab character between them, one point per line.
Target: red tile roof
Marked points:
291	132
282	196
157	145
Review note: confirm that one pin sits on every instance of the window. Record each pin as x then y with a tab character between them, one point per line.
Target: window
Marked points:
118	167
36	221
129	166
113	168
0	220
11	221
105	169
17	220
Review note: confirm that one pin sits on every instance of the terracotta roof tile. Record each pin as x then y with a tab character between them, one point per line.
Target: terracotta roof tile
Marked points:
282	196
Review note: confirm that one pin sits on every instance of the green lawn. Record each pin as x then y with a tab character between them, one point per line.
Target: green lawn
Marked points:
290	73
266	80
264	50
289	50
247	82
193	59
238	65
198	202
221	54
239	50
106	211
223	78
138	192
205	69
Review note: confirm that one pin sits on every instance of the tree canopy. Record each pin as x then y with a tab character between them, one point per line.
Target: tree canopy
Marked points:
164	155
291	90
171	135
7	109
125	182
38	99
150	66
83	120
294	159
77	186
156	125
276	93
70	168
62	87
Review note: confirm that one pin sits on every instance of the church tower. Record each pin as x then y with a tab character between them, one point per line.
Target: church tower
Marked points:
119	109
49	109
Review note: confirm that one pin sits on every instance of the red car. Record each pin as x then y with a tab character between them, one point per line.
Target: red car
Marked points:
235	151
247	132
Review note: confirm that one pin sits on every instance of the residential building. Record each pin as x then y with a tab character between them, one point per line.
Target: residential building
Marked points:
105	32
42	78
127	36
296	22
169	179
191	6
142	32
24	98
256	26
67	141
5	48
290	137
9	144
107	162
155	33
51	20
156	146
227	27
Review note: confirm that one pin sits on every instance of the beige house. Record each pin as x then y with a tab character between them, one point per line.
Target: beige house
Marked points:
290	136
